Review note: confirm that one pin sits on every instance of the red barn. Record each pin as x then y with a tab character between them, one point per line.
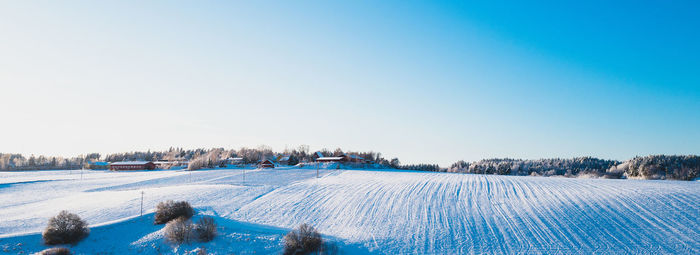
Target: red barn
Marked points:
267	164
132	165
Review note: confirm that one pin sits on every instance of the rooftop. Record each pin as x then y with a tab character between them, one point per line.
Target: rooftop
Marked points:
129	163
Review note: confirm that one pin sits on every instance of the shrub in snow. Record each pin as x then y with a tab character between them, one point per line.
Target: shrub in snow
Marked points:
55	251
303	240
65	228
205	229
170	210
196	164
179	231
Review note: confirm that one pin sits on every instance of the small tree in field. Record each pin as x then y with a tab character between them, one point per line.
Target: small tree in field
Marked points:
65	228
179	231
205	229
170	210
302	240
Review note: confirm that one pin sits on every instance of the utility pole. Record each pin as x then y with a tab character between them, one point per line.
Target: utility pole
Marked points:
142	203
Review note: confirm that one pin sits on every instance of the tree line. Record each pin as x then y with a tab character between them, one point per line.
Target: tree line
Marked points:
672	167
13	161
199	157
657	167
660	167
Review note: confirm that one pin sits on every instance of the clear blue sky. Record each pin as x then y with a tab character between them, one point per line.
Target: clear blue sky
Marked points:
424	81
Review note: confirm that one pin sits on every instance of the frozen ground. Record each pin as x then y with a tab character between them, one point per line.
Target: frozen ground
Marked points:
385	212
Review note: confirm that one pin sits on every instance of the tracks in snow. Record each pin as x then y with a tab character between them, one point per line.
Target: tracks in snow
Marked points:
391	211
455	213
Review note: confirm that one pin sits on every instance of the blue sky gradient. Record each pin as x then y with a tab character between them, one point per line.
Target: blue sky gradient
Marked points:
429	82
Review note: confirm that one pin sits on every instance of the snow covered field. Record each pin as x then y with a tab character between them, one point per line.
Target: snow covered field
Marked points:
385	212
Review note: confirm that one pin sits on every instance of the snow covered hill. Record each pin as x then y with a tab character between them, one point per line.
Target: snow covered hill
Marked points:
385	212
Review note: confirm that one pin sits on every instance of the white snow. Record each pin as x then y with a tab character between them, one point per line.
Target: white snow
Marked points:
386	212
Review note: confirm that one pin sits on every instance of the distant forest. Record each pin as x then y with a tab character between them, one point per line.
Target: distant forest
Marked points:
656	167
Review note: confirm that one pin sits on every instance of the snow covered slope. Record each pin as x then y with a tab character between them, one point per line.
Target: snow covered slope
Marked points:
386	212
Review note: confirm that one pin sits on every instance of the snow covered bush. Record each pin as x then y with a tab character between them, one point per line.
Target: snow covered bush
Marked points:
205	229
197	163
179	231
55	251
302	240
65	228
169	210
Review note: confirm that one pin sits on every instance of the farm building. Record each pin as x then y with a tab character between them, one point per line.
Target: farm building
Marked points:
267	164
332	159
317	155
355	159
284	160
98	165
234	161
132	165
342	158
288	160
